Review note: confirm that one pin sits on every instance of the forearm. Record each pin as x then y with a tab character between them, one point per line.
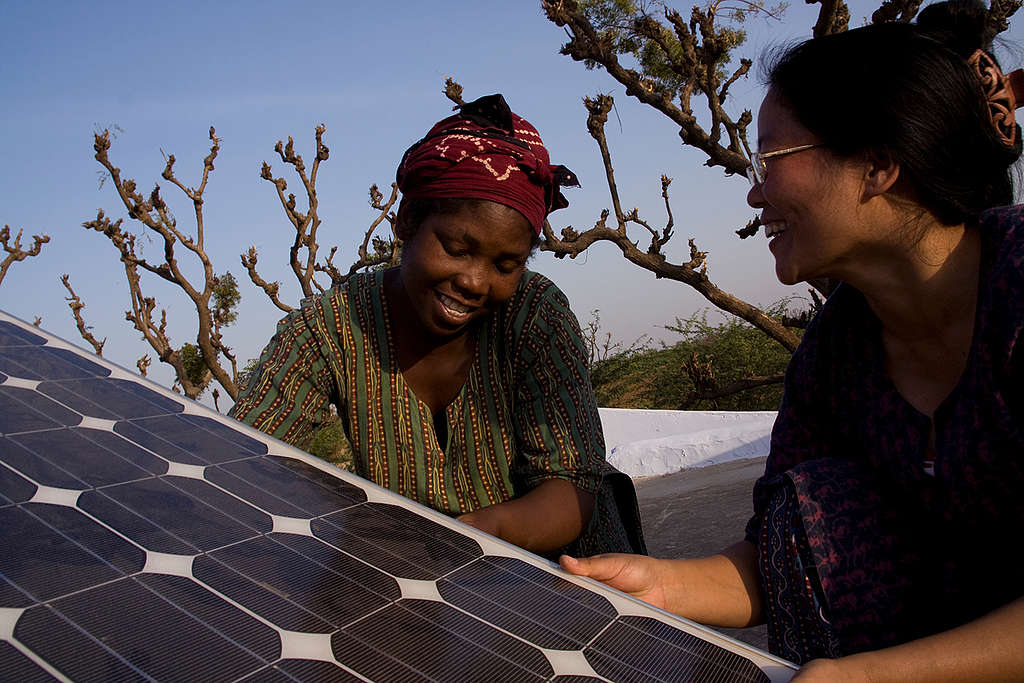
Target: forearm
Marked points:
720	590
548	517
986	649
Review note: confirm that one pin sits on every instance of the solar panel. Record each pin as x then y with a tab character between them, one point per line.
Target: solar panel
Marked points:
146	537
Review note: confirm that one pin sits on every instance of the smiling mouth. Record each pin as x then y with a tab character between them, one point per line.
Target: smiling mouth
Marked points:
453	307
774	228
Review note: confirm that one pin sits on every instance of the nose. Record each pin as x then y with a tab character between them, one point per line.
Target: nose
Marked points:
472	280
755	198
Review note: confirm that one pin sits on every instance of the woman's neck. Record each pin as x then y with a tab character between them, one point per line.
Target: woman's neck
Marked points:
931	288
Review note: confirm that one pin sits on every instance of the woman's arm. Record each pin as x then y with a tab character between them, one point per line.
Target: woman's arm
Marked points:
546	518
720	590
986	649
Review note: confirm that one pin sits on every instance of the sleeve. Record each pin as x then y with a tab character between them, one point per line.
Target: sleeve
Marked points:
289	391
557	424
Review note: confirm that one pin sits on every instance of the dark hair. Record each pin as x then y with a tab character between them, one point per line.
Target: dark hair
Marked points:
415	211
906	90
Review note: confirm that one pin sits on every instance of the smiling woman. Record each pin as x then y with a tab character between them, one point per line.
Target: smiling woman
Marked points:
460	376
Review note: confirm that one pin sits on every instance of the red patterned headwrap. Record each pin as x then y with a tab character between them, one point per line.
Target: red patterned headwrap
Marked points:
486	152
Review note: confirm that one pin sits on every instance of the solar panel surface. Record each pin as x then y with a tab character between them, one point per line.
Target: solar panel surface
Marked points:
146	537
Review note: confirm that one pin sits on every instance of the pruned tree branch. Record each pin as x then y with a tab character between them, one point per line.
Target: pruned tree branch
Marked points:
13	250
76	306
692	273
302	257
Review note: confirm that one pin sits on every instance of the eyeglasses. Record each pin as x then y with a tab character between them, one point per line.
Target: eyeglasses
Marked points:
758	170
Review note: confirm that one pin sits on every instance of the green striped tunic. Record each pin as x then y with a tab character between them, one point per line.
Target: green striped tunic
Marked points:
525	414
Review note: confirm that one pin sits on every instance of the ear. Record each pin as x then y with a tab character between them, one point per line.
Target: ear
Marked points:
880	175
402	229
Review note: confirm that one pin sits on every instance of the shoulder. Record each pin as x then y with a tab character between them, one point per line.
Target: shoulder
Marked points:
842	324
536	300
1002	233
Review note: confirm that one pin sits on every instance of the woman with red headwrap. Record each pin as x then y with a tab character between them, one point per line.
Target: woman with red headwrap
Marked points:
459	376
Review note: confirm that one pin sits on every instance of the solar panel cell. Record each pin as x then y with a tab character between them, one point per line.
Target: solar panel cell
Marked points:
20	668
48	563
24	410
217	613
90	464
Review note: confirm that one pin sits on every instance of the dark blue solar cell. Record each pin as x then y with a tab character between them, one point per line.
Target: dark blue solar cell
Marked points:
87	461
140	436
48	563
142	531
326	592
469	650
337	561
59	392
39	362
81	359
328	481
15	666
95	538
35	467
69	650
12	596
265	601
12	335
217	613
240	511
309	670
14	488
540	608
645	649
270	674
179	434
482	634
125	449
227	433
397	540
129	619
23	410
116	396
276	489
184	515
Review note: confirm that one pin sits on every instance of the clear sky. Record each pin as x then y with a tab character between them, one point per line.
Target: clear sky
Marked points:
373	73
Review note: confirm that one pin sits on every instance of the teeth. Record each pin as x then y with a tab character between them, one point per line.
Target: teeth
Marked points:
453	305
774	228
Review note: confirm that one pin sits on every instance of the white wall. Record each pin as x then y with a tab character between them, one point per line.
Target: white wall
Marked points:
644	443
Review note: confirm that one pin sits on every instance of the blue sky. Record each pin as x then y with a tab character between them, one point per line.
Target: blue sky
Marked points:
372	72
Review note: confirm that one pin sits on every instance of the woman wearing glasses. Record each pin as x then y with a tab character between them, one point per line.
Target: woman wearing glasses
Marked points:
460	377
886	537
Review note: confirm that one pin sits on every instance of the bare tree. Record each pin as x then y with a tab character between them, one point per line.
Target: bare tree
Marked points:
76	305
677	64
302	256
13	250
214	296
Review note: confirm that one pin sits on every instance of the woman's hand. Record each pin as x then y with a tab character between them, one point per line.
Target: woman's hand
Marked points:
638	575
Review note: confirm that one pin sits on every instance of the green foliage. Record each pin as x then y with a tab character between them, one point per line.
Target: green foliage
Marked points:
657	378
192	359
673	53
331	444
225	298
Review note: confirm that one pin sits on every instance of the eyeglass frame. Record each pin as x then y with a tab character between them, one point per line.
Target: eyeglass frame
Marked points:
757	159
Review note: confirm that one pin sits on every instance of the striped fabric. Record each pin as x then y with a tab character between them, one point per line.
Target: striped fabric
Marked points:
525	414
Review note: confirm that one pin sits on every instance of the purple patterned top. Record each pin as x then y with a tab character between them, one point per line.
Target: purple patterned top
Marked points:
966	521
